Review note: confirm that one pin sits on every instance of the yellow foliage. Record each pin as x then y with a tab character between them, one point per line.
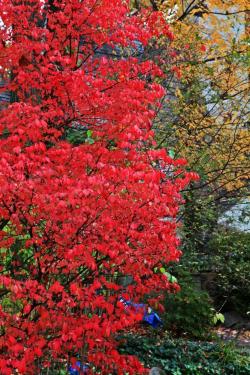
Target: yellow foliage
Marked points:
208	123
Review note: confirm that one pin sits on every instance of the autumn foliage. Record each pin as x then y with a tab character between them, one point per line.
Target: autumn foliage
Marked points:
75	218
208	122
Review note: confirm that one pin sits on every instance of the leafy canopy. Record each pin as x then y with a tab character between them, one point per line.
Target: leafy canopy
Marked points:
76	217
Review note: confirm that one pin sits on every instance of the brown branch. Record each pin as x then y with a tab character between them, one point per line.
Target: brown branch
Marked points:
187	11
227	13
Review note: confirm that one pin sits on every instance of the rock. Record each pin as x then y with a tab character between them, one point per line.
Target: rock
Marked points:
156	371
235	320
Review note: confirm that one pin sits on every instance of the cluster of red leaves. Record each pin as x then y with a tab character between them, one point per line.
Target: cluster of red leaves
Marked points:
75	218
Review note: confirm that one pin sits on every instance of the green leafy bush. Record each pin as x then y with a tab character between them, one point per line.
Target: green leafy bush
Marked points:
189	311
179	357
230	258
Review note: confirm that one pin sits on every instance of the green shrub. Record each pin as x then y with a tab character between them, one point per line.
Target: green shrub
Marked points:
179	357
189	311
230	257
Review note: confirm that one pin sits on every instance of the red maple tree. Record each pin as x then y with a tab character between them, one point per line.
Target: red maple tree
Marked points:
74	218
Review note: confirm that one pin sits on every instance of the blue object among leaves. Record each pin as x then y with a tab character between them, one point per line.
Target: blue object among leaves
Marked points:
150	316
78	369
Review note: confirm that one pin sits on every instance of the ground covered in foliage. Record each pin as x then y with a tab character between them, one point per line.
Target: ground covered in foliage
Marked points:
183	357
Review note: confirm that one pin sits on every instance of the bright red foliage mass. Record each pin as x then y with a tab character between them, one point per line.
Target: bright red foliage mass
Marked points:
75	218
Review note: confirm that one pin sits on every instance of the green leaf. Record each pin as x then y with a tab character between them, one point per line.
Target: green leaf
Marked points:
218	317
170	277
171	153
89	133
221	317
